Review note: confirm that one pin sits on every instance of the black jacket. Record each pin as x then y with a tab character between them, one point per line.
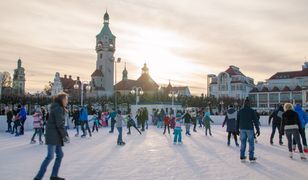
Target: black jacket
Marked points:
187	118
247	119
290	118
55	131
9	116
276	116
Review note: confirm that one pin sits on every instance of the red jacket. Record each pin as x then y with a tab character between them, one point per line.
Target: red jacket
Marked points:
166	120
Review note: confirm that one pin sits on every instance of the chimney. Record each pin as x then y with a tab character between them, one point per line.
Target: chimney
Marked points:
65	76
70	76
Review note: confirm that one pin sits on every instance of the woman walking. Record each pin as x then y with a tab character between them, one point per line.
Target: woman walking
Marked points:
55	137
37	125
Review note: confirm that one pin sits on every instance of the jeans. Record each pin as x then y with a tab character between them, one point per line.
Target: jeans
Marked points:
296	138
95	127
274	127
167	126
112	125
244	135
51	150
39	131
120	140
187	127
85	123
177	135
22	127
303	136
9	126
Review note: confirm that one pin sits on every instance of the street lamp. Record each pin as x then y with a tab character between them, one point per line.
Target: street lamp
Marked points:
137	91
115	79
82	83
173	95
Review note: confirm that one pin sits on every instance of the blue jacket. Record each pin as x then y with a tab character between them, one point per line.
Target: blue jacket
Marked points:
113	115
23	113
302	115
83	115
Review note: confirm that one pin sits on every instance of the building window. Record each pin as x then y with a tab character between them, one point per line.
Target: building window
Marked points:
100	56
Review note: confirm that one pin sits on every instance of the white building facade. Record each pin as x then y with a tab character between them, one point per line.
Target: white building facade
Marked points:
57	85
230	83
280	88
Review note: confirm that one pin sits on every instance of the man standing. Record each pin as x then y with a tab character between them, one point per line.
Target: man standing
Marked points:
247	120
277	117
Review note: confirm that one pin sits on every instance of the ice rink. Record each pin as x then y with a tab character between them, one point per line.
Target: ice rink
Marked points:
151	156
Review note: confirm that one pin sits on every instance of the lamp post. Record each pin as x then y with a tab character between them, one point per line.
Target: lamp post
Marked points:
221	107
115	80
173	95
81	87
137	91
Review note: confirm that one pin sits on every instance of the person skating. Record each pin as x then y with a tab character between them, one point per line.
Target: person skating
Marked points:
55	137
16	121
199	119
112	116
161	116
291	126
187	121
230	120
207	123
95	122
84	122
172	122
277	117
76	121
9	120
178	130
37	125
22	117
119	120
246	121
304	120
131	123
194	120
166	124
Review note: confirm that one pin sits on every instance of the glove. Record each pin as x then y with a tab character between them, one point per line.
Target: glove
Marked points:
66	139
258	132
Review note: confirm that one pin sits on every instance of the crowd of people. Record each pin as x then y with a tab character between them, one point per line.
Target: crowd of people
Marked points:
54	123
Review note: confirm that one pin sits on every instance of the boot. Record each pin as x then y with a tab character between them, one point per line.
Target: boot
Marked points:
303	156
291	155
32	142
271	141
56	178
41	142
253	159
280	143
228	143
237	145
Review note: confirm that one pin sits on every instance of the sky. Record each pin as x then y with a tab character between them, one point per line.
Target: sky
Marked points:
180	40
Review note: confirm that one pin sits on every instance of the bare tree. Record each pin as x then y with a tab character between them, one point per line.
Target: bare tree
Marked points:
6	79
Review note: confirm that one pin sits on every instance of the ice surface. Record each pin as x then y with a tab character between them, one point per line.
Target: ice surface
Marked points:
151	156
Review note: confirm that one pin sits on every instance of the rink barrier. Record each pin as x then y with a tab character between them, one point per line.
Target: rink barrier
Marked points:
218	120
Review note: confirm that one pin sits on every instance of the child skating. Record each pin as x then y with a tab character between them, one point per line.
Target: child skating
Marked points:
37	125
207	123
131	123
178	130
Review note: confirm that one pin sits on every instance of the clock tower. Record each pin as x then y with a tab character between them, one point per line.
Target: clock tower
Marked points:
103	76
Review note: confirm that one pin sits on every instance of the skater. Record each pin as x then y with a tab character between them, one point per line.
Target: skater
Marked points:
17	124
187	121
194	120
178	130
95	122
166	124
131	123
119	120
304	120
146	116
161	116
76	121
22	117
199	119
277	117
246	121
172	122
55	137
112	116
230	119
104	118
291	125
84	122
207	123
9	118
37	125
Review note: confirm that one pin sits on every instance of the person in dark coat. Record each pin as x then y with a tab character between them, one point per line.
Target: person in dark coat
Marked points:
55	137
230	120
246	121
291	125
131	123
9	119
277	117
76	121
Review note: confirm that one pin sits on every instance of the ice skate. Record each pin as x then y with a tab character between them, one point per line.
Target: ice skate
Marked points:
253	160
243	159
33	142
302	155
41	142
291	155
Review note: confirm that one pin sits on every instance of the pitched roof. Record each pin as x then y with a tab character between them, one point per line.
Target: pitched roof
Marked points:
232	70
290	74
125	85
147	83
97	73
254	90
264	89
275	89
286	88
297	88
